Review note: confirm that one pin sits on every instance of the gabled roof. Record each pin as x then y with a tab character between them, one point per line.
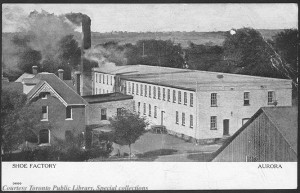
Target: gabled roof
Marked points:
25	75
59	86
284	119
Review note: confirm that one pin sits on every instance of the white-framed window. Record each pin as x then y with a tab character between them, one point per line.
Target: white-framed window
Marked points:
179	97
174	96
183	119
158	92
44	95
177	118
144	109
213	99
155	111
103	114
96	77
191	121
213	122
149	91
44	113
154	92
164	94
132	88
129	88
100	77
185	98
107	79
141	89
133	106
145	90
139	107
103	78
191	99
137	89
68	112
149	110
246	98
110	80
271	97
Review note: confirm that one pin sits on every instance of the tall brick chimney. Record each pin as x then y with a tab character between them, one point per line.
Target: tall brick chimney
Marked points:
61	74
78	82
34	70
86	31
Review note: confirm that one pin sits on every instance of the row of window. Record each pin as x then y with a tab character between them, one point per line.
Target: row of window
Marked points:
45	113
159	93
102	78
100	91
271	98
183	119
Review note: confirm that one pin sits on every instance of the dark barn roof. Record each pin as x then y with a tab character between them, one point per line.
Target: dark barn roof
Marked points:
285	119
102	98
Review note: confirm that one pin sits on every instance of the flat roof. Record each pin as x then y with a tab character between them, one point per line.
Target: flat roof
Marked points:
180	78
101	98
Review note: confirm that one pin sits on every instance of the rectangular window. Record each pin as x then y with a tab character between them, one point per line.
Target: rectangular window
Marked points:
191	121
213	99
141	90
144	109
191	99
103	78
129	88
110	80
145	90
137	89
132	88
154	92
107	79
119	112
213	122
174	96
100	77
149	91
96	77
169	95
271	96
133	106
155	111
44	95
179	97
177	117
158	93
68	112
164	94
139	107
246	98
103	114
44	112
185	98
149	110
183	119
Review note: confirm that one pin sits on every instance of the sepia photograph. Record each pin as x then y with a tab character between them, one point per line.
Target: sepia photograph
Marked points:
164	89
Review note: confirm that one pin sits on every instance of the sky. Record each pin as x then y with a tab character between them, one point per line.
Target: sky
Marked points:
167	17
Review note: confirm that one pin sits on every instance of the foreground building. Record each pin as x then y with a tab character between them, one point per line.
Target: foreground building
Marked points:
193	104
269	136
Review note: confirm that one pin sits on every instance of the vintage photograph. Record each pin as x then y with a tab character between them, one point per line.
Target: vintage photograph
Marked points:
149	83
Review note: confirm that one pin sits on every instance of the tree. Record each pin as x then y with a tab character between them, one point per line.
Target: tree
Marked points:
19	120
250	54
128	128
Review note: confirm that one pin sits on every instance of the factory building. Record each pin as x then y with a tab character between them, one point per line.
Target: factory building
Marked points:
193	104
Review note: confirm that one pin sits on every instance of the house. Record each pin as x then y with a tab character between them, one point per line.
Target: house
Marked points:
60	105
198	105
269	136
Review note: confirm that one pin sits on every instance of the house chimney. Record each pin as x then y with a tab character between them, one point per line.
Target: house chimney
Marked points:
78	81
34	70
61	74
